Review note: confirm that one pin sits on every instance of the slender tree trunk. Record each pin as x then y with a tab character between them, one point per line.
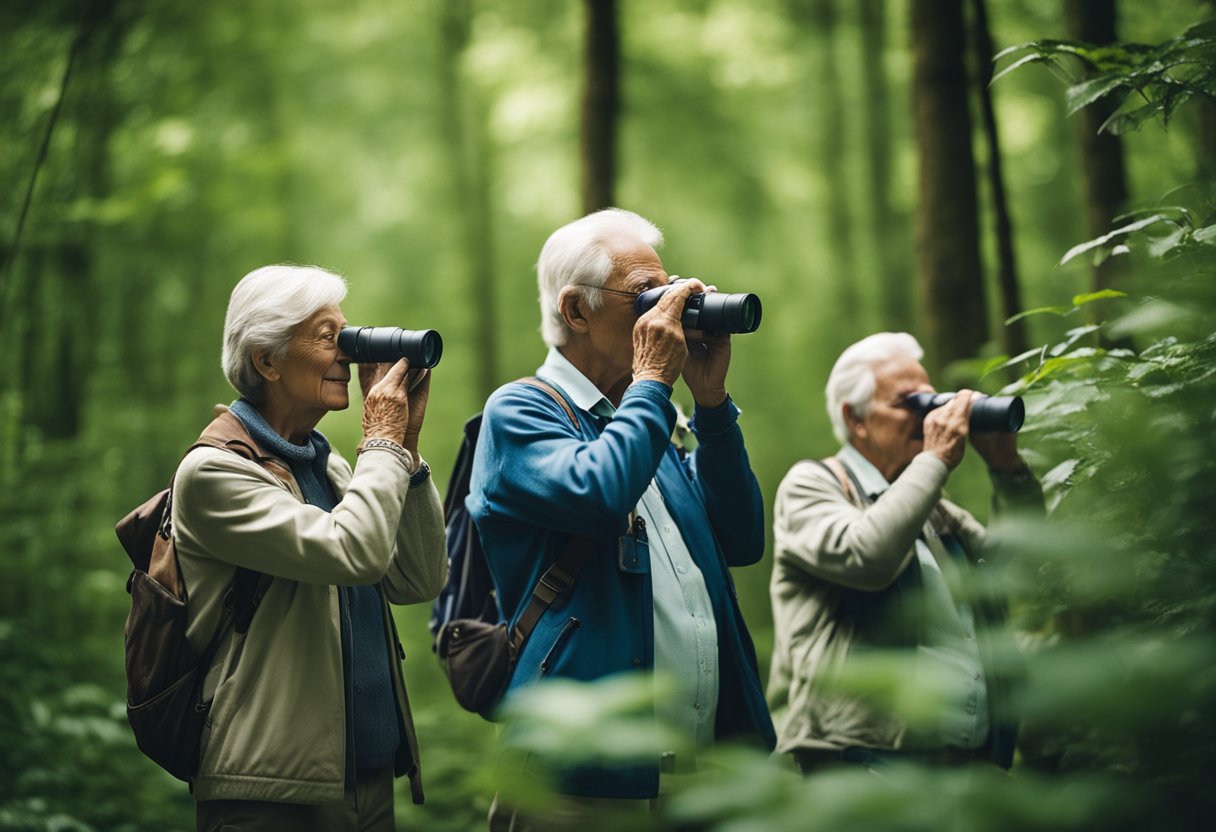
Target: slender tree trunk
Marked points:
949	269
468	160
1013	335
825	22
601	104
1102	167
896	304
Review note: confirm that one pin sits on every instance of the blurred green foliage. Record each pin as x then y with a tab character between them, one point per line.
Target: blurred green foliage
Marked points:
195	142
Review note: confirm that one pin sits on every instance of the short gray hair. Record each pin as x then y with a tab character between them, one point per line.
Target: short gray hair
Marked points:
265	308
580	253
852	379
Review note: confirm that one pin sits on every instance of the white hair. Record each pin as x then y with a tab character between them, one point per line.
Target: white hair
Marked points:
580	253
852	379
265	307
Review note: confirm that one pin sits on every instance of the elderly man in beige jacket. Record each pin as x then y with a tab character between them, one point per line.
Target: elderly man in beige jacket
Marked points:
866	555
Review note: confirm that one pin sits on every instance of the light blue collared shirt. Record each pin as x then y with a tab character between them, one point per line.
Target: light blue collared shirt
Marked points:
685	631
948	655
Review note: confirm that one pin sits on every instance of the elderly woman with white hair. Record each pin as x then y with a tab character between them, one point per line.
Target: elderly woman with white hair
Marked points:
868	556
308	719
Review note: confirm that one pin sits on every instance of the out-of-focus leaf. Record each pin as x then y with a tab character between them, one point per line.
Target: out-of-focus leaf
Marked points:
1113	235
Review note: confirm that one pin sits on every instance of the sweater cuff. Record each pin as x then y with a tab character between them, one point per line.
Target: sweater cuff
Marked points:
710	421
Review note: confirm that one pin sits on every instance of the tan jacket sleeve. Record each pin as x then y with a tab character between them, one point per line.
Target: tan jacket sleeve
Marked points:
819	531
238	512
419	566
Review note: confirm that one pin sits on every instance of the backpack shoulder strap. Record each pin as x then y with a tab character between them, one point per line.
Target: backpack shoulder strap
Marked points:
836	468
228	433
560	577
541	384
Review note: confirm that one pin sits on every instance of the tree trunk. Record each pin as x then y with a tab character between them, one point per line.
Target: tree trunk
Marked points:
1102	165
601	104
1014	335
949	270
825	22
469	166
896	305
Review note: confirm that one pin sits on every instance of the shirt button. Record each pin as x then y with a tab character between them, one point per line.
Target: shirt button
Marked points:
977	677
637	662
680	569
970	709
666	529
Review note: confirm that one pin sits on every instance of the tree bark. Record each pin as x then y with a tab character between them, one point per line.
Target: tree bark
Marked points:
896	305
600	105
1014	334
826	22
1102	167
949	269
469	166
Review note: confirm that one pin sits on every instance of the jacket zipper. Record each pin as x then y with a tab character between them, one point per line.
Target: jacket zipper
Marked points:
570	626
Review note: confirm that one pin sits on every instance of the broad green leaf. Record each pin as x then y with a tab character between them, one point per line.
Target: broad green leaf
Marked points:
1041	310
1086	93
1159	247
1205	235
1023	61
1090	297
1113	235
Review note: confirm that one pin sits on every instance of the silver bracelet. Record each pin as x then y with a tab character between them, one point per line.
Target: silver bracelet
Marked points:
388	445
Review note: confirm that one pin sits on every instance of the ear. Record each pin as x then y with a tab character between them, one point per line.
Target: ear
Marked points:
573	308
264	366
854	423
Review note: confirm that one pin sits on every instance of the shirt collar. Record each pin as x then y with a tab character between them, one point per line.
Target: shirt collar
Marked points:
867	475
585	395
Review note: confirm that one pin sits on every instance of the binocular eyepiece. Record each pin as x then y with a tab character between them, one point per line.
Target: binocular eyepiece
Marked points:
379	344
710	311
989	414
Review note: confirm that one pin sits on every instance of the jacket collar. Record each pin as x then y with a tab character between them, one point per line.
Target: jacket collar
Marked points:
585	395
868	477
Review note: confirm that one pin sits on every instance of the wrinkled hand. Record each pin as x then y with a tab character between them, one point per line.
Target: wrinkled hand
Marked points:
999	450
386	402
946	429
707	364
659	348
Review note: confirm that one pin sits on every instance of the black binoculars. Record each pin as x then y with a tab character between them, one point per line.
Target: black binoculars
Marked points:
710	311
378	344
989	414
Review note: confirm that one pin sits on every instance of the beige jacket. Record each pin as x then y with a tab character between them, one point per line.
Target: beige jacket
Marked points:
833	561
276	729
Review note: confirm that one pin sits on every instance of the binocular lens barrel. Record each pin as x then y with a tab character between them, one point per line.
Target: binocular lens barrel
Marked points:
377	344
989	414
711	311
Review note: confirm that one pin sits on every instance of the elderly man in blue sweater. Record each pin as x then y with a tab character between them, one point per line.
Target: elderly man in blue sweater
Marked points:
655	593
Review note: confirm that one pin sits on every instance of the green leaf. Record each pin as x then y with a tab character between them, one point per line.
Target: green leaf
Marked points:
1040	310
1086	93
1081	248
1159	247
1205	235
1090	297
1125	122
1021	62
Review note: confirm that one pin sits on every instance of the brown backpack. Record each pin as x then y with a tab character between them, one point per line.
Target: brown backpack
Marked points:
164	671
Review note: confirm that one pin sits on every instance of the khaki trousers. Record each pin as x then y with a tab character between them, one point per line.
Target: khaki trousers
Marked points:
368	808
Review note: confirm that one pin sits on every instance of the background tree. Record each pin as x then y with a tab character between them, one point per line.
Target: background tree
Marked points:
1095	22
601	104
954	316
1013	336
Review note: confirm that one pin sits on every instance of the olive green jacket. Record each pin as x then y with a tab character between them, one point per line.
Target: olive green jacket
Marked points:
840	575
276	727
